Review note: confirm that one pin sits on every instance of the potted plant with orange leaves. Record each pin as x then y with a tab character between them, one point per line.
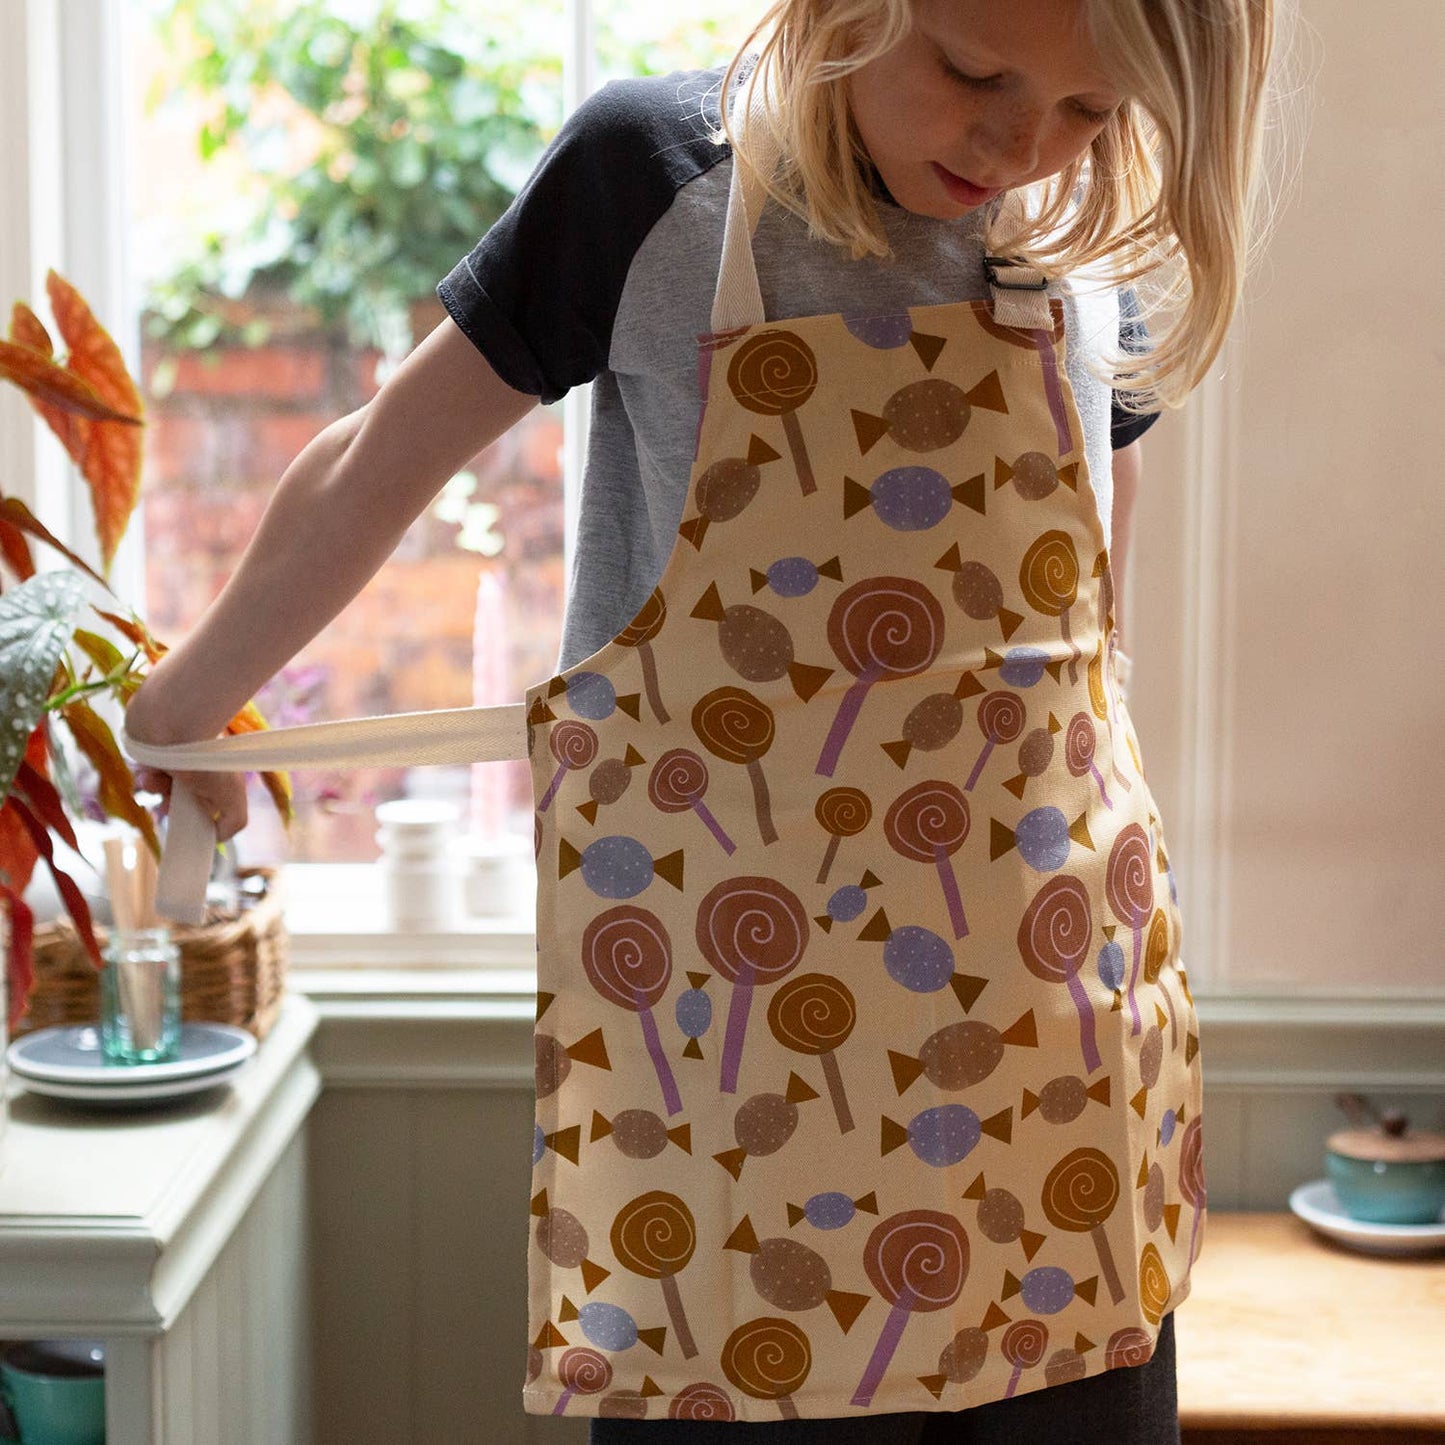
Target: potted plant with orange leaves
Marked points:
67	641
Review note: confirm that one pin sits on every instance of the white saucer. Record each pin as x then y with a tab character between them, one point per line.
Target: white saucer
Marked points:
1318	1205
131	1096
71	1055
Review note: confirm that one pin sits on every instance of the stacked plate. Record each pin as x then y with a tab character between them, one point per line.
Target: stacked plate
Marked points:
67	1063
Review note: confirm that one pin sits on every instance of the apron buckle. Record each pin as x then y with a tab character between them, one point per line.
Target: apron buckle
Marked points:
993	267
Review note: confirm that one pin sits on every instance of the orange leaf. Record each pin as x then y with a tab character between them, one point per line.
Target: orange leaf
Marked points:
47	382
136	630
44	799
251	720
117	783
19	961
73	898
14	511
112	451
27	329
16	550
17	852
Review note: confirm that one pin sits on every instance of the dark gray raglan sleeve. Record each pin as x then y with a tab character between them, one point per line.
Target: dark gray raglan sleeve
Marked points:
537	295
1127	426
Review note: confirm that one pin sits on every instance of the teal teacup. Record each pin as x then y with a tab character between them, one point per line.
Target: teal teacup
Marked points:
1382	1179
55	1390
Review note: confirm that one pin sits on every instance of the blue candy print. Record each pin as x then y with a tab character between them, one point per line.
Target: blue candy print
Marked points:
1043	839
609	1327
1111	964
616	867
792	576
944	1135
693	1013
1023	666
847	903
589	694
829	1211
911	499
1047	1290
918	959
882	333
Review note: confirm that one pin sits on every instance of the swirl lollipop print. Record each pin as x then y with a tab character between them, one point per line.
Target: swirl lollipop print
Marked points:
678	782
773	374
582	1371
655	1236
1156	955
737	727
881	629
917	1260
1049	577
702	1400
753	931
1129	887
1023	1345
1080	743
574	745
627	957
843	813
639	634
928	823
1001	718
814	1013
1191	1176
1154	1286
768	1358
1053	941
1078	1195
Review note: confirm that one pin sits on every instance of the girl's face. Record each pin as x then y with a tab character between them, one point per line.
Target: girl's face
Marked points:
980	97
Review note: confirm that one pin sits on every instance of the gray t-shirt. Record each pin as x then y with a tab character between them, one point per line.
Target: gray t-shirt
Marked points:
603	270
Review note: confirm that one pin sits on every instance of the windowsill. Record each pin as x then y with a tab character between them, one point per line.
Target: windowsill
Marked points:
482	973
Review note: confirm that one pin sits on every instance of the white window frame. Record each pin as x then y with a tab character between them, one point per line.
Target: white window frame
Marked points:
62	180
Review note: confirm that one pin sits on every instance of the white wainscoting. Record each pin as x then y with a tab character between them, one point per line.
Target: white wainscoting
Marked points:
420	1169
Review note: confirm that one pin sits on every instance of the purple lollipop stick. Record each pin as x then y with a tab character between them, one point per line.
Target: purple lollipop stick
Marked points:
888	1339
712	824
665	1078
737	1028
848	711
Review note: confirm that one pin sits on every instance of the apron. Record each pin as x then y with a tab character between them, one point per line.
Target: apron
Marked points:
867	1068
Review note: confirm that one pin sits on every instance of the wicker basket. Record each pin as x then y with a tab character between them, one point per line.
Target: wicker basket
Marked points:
233	967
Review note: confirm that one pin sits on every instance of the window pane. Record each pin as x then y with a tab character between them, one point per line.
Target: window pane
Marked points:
301	176
652	37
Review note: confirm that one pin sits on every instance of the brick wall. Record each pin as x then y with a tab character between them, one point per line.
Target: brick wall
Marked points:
219	439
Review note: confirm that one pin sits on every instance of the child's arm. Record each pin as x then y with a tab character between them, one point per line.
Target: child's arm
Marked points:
1128	462
338	513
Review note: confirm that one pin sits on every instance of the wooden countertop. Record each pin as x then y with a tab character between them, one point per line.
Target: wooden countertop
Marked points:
1284	1329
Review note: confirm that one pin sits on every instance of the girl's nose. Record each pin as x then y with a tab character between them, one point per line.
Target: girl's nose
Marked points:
1008	145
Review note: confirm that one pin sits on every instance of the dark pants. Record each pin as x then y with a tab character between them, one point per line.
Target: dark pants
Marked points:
1130	1405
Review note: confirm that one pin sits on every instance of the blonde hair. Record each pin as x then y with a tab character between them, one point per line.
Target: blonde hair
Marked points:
1168	197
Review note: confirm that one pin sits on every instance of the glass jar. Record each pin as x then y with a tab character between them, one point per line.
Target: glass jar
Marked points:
140	997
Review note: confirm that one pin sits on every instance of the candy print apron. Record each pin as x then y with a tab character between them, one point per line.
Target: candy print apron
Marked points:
867	1071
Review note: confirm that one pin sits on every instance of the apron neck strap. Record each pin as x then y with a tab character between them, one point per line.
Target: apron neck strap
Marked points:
1017	294
738	300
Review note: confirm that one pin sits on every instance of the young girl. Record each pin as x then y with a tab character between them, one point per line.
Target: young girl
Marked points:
868	1084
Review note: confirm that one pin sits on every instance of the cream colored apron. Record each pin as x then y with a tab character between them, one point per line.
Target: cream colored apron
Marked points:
867	1067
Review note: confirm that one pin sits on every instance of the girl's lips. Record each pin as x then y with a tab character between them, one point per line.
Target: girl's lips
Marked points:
965	192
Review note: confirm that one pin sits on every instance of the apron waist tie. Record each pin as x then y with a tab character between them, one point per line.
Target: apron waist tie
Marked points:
408	739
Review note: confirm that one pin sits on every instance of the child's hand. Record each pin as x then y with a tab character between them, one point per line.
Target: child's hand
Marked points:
222	795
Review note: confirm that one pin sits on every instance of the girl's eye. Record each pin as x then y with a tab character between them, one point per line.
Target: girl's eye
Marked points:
954	73
1095	117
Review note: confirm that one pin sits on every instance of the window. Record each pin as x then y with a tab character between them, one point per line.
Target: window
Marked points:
298	178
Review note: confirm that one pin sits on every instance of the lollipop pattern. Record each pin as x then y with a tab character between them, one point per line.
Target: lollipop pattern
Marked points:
811	1139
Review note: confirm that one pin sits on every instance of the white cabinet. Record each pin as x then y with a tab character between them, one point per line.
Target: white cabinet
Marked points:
177	1236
